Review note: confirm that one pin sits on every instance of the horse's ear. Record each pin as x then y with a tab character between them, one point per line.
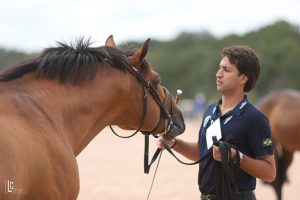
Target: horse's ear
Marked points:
110	42
138	57
144	48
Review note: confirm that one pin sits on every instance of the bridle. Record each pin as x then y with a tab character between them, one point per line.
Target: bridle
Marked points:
164	113
169	124
152	90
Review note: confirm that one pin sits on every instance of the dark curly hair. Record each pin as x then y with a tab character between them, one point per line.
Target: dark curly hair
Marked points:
246	61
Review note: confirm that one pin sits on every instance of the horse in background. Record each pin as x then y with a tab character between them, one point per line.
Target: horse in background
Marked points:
283	111
53	105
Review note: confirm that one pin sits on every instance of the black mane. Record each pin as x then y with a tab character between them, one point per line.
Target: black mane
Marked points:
69	63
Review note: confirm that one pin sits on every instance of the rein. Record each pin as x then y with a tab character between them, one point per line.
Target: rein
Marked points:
209	153
163	113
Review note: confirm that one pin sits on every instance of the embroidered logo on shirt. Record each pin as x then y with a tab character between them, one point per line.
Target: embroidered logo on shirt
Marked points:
214	110
227	119
243	104
206	120
267	142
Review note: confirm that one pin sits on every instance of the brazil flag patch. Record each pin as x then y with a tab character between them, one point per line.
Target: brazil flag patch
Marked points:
267	142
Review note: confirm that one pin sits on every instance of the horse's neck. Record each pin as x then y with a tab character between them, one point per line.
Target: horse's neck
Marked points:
75	113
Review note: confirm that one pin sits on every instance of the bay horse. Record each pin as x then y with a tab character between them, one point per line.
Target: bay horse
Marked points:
283	111
53	105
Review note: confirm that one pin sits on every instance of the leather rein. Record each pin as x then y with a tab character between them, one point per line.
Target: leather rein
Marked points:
164	113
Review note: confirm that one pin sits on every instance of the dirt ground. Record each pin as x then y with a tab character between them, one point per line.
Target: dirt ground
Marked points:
111	168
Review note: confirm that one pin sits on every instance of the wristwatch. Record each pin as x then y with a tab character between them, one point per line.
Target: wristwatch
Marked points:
241	155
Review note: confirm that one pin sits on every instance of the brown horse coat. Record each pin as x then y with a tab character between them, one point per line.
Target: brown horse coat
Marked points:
53	106
283	111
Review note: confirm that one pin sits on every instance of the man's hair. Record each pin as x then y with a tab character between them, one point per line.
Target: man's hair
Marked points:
246	61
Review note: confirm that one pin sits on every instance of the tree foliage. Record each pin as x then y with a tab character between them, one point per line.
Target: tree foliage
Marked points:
190	61
10	56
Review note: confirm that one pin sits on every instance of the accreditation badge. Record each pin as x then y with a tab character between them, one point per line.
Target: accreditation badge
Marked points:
213	130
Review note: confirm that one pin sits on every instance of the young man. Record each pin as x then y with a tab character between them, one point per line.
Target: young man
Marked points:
249	129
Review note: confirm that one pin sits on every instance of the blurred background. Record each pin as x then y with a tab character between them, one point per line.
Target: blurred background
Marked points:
187	37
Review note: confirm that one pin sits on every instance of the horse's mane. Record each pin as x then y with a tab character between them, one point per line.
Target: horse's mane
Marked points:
69	63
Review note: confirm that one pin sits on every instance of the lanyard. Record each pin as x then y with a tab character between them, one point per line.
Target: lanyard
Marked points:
215	113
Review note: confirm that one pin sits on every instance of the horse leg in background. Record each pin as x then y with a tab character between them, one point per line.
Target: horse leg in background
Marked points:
284	159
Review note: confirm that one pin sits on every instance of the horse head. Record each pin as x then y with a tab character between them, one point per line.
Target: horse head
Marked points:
160	113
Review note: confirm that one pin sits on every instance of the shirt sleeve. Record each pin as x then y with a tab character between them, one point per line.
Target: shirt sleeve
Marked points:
259	136
200	131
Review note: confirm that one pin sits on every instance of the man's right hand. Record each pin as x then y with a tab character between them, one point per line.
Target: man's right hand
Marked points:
171	143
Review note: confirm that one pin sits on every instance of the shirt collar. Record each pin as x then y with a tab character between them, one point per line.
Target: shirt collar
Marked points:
216	113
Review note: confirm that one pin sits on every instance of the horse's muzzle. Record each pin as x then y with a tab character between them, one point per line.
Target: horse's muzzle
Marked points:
174	121
178	126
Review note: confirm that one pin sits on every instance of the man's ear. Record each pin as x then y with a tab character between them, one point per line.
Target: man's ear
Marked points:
243	79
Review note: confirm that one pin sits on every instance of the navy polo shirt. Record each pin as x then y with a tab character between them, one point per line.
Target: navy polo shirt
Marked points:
251	135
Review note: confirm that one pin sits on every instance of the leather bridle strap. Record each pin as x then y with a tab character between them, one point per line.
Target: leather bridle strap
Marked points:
207	155
163	112
226	183
168	125
153	92
169	121
142	120
147	165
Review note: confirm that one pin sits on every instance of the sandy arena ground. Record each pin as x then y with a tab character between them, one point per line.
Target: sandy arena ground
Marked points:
111	168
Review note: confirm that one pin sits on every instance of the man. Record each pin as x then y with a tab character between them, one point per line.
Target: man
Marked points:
249	129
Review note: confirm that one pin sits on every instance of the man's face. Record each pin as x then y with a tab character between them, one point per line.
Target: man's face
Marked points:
228	77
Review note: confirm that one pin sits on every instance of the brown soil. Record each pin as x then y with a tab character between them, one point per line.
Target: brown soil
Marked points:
111	168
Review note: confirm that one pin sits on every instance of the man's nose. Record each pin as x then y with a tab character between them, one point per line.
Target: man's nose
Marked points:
219	73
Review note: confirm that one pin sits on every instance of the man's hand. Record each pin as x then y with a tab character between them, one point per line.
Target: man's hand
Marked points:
171	143
217	154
